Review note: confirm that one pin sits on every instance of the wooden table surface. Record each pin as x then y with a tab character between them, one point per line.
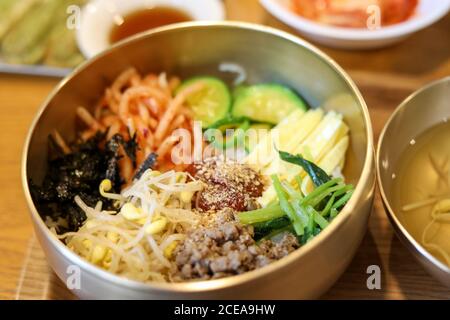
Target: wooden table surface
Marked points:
385	77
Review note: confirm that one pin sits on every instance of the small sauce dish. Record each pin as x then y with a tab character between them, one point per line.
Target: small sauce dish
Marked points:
101	20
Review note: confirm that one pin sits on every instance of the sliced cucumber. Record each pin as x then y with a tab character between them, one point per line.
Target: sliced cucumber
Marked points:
227	121
235	140
236	91
266	103
210	104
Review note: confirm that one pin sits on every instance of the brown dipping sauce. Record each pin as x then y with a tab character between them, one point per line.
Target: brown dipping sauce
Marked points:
146	19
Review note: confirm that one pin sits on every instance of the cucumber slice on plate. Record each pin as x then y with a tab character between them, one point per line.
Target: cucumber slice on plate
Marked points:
268	103
210	104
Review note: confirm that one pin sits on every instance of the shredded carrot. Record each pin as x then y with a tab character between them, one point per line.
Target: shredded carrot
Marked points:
174	106
60	142
144	107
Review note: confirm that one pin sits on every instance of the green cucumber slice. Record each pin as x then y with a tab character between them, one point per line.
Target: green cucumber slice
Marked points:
210	104
236	91
266	103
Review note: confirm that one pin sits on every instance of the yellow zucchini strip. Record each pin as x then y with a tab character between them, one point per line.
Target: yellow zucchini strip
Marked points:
264	153
318	144
329	162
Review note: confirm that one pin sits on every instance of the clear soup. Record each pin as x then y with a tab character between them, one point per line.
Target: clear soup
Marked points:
421	182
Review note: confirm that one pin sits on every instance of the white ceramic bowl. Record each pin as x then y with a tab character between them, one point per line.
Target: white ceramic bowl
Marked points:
427	12
99	16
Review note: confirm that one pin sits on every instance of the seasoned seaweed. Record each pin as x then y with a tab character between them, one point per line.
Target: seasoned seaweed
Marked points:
146	164
112	161
130	147
80	173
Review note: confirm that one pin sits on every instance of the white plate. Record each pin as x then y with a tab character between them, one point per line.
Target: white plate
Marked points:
427	12
98	17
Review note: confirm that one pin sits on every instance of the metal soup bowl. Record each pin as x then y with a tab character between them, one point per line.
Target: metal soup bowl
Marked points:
197	48
422	110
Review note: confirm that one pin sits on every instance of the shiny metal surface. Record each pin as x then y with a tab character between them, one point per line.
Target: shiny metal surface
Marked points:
420	111
198	48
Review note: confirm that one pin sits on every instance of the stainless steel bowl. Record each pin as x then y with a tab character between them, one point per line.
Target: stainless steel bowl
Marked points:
198	48
420	111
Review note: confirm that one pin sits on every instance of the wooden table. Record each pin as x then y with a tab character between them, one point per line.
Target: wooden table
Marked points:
385	77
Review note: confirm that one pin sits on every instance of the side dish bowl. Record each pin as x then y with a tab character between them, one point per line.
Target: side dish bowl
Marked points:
422	110
198	48
427	13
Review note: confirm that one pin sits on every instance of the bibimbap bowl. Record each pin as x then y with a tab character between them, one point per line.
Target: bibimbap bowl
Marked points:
191	49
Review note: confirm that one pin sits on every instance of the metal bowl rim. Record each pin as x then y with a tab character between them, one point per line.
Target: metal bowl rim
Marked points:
207	285
398	226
